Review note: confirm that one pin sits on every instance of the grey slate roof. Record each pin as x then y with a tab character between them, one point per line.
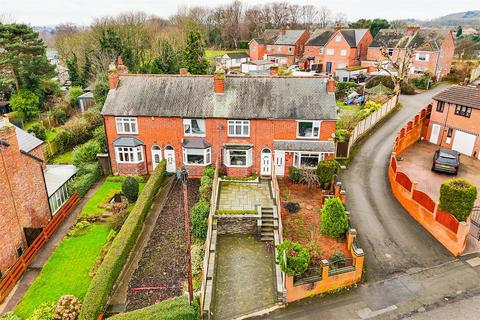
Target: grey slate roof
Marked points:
389	38
244	97
237	55
195	143
319	37
463	95
26	141
304	145
427	39
127	142
277	36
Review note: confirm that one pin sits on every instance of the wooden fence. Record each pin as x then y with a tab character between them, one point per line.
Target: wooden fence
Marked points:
18	269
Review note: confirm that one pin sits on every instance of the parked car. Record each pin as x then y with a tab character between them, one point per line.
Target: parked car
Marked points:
446	160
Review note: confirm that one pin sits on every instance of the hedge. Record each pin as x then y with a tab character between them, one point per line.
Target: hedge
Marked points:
326	169
233	212
199	219
172	309
458	196
334	218
297	255
108	272
87	175
250	178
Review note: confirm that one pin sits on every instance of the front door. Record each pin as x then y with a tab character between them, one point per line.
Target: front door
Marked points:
156	156
435	133
329	67
170	157
280	163
266	159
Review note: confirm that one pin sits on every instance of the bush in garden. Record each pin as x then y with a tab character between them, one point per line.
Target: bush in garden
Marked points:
117	220
309	177
59	115
80	228
458	196
86	152
327	169
292	207
199	219
205	187
209	172
67	308
197	251
101	138
343	89
93	117
39	131
87	175
26	103
171	309
295	174
348	120
297	256
338	259
406	87
45	311
73	94
130	189
10	316
334	218
342	135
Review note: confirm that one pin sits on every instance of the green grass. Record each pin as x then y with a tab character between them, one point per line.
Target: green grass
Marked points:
64	158
66	271
210	54
107	190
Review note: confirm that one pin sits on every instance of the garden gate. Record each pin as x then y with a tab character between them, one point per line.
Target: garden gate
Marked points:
475	222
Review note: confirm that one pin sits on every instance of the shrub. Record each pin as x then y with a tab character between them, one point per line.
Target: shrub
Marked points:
85	153
73	94
199	219
338	259
197	257
26	103
10	316
327	169
298	258
108	272
209	172
423	81
59	115
86	176
45	311
80	228
68	307
172	309
342	135
343	89
458	196
292	207
406	87
348	120
309	177
39	131
130	189
334	219
295	174
101	138
117	220
205	187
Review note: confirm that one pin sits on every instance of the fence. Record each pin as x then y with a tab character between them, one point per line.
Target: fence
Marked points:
343	149
18	269
441	224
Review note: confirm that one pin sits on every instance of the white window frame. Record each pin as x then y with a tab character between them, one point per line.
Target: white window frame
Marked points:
330	52
207	157
135	154
298	156
315	124
58	198
343	52
422	56
248	157
123	122
244	126
189	122
338	38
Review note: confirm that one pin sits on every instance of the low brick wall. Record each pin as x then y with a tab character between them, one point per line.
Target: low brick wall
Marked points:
237	224
451	233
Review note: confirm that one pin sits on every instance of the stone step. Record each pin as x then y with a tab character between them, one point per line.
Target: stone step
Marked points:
267	224
266	238
267	209
267	228
267	215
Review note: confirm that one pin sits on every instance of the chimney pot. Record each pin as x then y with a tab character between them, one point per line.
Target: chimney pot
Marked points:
411	28
219	83
338	26
331	85
273	71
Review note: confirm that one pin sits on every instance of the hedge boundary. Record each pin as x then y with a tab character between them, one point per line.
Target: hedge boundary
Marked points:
112	265
176	308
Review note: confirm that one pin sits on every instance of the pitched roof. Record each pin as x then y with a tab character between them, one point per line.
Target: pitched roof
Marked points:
422	39
302	145
244	97
319	37
463	95
26	141
277	36
353	36
237	55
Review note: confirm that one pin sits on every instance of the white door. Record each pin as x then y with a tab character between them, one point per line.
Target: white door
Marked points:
266	160
435	133
170	157
280	163
464	142
156	156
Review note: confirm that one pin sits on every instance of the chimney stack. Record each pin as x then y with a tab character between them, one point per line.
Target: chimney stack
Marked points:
411	28
115	72
273	71
338	26
219	82
331	85
8	134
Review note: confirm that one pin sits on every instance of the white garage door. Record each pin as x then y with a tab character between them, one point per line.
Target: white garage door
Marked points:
464	142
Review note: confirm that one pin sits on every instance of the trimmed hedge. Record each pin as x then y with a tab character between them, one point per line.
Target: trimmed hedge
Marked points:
108	272
233	212
250	178
87	175
334	218
199	219
298	258
172	309
326	169
458	196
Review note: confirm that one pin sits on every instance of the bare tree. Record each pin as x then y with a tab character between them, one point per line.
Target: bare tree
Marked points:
396	65
340	18
310	15
398	24
324	17
280	14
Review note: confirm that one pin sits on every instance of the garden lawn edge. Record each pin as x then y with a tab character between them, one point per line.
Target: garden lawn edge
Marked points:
112	265
176	308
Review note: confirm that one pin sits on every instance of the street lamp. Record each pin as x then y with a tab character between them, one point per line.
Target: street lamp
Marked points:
182	175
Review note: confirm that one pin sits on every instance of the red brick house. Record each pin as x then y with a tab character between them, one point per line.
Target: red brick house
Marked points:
282	47
455	120
329	50
31	192
434	49
252	124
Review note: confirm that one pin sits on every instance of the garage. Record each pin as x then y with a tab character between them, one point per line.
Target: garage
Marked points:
464	142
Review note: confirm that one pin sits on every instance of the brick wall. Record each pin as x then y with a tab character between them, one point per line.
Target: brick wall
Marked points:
230	224
256	50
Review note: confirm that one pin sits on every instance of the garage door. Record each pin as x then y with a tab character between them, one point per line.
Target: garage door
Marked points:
464	142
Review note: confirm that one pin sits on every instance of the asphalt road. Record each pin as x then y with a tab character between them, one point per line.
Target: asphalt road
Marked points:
393	241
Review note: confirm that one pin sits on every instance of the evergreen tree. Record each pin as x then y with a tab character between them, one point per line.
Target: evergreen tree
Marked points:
459	31
167	60
86	70
23	63
73	74
193	54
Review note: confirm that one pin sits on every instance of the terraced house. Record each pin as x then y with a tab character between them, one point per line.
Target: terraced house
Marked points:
252	124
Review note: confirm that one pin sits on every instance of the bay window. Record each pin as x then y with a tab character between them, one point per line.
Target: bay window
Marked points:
308	129
194	127
129	154
238	128
238	156
200	157
126	125
302	159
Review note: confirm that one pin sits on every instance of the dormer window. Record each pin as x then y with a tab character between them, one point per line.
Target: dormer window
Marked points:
126	125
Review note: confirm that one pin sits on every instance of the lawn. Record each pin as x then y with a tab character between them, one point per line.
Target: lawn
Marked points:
107	190
66	271
64	158
210	54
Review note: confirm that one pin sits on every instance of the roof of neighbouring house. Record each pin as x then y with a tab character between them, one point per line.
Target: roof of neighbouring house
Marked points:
379	89
57	175
237	55
277	36
353	36
302	145
463	95
26	141
127	142
245	97
86	95
427	39
319	37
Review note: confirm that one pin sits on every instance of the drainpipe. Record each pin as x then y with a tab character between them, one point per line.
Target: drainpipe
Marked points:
445	123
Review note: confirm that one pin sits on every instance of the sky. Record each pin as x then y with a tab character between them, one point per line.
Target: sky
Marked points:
53	12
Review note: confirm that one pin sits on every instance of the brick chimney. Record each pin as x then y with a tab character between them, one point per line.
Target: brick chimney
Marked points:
8	134
338	26
219	82
273	71
183	71
114	73
478	86
412	28
331	85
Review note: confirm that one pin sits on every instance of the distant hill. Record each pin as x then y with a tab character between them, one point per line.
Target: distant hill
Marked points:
467	18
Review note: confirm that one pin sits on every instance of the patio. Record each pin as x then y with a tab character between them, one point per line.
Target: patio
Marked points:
244	195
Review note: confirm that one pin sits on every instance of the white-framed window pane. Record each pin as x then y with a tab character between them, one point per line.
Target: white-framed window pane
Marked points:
239	128
197	156
343	52
238	157
194	126
126	125
308	129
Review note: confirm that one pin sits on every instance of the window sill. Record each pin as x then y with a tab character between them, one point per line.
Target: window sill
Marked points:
238	136
127	132
233	166
194	135
308	138
196	164
124	162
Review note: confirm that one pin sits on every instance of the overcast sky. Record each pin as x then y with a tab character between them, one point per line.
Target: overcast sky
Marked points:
52	12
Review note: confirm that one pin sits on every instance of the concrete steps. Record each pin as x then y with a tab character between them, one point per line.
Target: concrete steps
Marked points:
268	224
